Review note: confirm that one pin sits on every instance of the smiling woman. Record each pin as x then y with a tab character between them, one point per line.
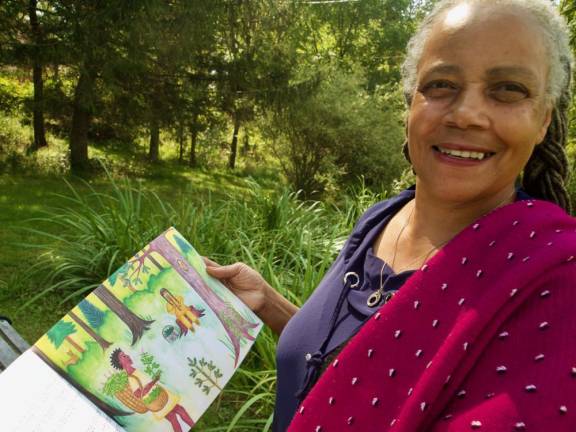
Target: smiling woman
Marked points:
449	308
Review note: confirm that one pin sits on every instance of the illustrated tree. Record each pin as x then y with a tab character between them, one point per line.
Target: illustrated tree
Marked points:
95	317
63	331
184	246
136	324
138	263
205	374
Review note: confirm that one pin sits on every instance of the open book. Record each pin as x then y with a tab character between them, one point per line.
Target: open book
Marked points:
147	351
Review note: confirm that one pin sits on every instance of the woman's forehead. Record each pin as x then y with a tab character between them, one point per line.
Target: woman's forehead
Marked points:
493	36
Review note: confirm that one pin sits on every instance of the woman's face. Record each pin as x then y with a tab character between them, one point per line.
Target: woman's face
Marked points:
480	106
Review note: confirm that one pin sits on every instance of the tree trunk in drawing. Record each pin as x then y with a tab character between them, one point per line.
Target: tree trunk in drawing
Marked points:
235	325
136	324
74	344
104	344
104	407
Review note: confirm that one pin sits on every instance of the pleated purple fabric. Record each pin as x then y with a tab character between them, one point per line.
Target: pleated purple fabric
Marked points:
482	337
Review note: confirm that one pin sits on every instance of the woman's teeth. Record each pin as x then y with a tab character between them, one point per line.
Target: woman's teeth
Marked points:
464	154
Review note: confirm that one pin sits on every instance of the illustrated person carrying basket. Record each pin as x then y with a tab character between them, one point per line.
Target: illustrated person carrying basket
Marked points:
150	397
140	404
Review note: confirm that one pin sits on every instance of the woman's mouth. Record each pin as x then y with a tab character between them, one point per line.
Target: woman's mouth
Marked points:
463	154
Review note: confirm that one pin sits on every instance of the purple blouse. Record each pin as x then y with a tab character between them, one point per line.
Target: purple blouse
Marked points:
301	339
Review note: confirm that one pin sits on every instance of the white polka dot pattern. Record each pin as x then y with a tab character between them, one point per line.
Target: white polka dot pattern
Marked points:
477	341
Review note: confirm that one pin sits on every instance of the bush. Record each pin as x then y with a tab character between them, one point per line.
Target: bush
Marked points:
336	132
12	95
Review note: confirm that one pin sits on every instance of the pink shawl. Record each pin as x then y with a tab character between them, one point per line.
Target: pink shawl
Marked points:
482	337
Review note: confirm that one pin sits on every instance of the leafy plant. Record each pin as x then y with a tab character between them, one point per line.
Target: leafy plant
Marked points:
151	367
115	383
206	374
152	396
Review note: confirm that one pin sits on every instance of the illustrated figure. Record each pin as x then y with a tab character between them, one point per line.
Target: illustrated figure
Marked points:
186	316
171	408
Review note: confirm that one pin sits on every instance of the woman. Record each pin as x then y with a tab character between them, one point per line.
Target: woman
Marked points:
479	337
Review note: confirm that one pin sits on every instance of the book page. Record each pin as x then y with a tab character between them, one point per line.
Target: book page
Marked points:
35	398
156	342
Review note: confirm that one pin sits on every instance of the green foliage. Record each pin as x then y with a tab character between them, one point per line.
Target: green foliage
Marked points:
60	331
115	383
12	95
337	133
152	396
151	367
205	373
94	315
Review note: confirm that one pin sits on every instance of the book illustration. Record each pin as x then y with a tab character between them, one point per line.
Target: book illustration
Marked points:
141	393
187	316
154	344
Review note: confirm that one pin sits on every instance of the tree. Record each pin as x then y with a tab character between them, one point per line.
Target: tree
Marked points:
136	324
38	105
93	33
205	373
63	331
322	142
96	317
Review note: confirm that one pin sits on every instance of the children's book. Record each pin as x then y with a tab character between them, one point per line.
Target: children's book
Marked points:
146	351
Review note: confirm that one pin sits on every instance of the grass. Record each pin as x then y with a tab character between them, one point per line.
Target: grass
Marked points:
24	203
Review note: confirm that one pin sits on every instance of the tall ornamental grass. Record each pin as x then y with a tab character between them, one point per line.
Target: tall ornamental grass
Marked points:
291	242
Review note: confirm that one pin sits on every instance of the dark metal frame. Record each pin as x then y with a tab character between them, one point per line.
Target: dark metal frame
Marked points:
11	343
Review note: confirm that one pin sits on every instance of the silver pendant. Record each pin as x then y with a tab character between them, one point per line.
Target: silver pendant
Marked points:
374	298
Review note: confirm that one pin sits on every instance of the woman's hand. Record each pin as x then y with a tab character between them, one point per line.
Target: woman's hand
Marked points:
250	287
245	282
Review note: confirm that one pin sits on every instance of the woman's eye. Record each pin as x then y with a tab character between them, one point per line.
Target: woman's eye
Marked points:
509	92
438	89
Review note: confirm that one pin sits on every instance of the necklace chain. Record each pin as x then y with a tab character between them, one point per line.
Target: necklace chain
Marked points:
377	295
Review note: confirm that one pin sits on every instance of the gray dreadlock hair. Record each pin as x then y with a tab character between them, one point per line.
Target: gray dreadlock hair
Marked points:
546	172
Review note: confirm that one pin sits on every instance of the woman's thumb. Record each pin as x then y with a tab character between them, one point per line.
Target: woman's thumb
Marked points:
224	272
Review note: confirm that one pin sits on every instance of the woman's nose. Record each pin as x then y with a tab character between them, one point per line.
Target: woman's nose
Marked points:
468	110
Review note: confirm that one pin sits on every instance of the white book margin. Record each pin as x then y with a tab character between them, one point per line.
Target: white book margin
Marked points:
34	398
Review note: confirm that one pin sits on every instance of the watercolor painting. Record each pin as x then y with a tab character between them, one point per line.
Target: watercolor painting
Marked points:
155	343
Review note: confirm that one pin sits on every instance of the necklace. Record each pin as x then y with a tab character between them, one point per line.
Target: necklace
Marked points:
377	295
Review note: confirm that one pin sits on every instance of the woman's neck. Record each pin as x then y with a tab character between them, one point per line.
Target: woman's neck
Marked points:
440	220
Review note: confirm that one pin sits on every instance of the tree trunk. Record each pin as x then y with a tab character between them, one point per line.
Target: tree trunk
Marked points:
104	407
38	105
104	344
181	141
246	144
81	121
193	139
136	324
154	152
234	144
74	344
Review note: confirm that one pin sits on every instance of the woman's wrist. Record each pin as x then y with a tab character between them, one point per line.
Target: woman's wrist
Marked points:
276	310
